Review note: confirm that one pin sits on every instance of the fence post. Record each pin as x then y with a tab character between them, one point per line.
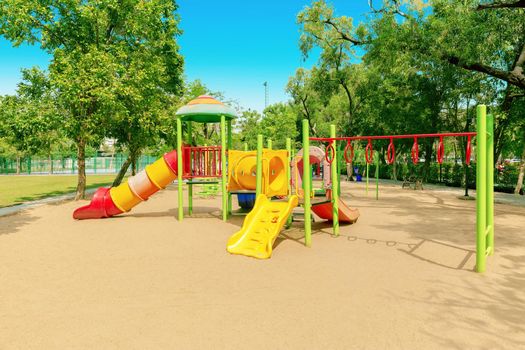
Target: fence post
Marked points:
29	165
95	163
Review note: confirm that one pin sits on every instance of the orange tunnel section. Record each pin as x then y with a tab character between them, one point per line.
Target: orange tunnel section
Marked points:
108	202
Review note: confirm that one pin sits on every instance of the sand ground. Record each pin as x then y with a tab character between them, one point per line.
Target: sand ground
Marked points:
400	278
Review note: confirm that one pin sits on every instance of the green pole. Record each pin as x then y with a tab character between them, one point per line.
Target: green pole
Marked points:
51	164
307	175
95	163
377	176
224	169
258	179
179	169
288	171
29	165
288	162
230	145
490	184
190	186
269	143
246	147
72	164
367	171
481	188
335	189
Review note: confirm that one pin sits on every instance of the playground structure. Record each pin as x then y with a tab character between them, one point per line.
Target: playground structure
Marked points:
484	171
271	173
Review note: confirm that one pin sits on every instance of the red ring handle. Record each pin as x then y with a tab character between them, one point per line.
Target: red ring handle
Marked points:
330	149
469	150
350	148
369	152
440	150
415	151
391	152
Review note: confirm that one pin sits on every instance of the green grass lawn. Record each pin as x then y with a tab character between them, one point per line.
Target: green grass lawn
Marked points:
20	189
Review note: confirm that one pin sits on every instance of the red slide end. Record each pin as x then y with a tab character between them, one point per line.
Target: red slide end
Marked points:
325	211
101	206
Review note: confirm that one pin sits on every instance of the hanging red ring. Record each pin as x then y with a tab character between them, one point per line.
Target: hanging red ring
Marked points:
440	150
369	152
350	148
469	150
330	149
415	151
391	152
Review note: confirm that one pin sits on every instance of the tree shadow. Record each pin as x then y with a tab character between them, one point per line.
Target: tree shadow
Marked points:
12	223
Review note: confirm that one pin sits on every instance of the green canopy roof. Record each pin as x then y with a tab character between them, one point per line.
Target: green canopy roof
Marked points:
205	109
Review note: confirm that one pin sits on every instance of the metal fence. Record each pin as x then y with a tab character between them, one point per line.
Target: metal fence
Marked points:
67	165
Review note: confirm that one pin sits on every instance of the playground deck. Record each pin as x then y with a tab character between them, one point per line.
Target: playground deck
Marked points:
401	277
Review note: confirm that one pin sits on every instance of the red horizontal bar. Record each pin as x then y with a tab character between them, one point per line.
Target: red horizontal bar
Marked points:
388	137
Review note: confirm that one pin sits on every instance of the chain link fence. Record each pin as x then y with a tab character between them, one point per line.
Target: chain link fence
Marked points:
67	165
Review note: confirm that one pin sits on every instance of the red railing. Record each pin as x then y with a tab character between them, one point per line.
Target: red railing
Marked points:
203	161
391	154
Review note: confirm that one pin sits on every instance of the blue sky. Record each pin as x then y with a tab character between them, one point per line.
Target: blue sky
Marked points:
232	46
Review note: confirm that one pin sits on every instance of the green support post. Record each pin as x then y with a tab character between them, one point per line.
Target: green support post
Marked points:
367	172
288	162
270	144
224	169
95	163
51	164
190	186
377	176
29	165
72	165
481	188
179	169
246	147
288	174
258	179
335	187
490	184
230	145
307	189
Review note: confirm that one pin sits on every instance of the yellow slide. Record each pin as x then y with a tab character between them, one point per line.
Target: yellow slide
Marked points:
261	227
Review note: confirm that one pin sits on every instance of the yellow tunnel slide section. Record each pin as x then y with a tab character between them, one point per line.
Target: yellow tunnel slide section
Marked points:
242	169
261	227
140	187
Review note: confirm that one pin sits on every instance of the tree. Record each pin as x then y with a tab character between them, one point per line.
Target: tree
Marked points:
279	123
92	44
29	121
461	35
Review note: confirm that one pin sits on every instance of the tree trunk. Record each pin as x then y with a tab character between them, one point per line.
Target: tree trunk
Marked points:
81	159
134	162
122	172
50	163
519	184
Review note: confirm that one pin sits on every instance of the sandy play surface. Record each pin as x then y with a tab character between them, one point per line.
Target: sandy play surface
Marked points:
400	278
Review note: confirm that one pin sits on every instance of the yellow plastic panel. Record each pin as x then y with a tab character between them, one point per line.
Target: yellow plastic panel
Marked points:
275	173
